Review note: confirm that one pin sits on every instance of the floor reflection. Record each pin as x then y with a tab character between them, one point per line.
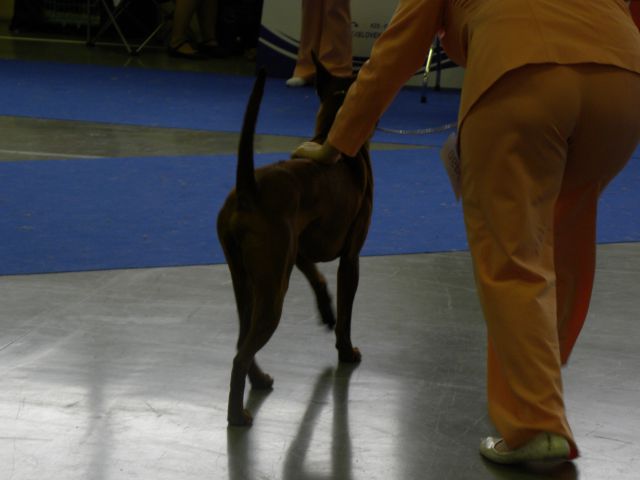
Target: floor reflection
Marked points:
240	444
331	383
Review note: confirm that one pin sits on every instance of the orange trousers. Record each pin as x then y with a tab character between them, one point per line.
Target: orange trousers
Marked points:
536	151
326	30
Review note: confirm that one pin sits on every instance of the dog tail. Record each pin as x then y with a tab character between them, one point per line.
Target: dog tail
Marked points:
245	178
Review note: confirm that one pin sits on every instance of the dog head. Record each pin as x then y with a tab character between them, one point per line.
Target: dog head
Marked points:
331	90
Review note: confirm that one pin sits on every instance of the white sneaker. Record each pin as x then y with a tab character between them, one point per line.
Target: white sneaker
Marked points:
546	446
296	82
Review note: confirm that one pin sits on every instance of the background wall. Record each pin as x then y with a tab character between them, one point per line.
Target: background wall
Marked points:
280	36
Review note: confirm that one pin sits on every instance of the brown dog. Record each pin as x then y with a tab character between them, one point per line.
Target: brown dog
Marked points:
295	212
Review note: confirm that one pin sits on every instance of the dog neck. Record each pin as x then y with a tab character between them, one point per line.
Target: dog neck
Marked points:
327	114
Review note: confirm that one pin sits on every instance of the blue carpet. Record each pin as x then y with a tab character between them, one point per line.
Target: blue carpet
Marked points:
142	212
77	215
204	101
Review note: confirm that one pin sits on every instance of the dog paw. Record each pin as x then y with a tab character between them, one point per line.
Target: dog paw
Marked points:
243	419
326	310
327	315
351	355
262	382
329	320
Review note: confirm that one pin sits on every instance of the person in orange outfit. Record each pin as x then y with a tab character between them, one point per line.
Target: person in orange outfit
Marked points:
326	30
548	116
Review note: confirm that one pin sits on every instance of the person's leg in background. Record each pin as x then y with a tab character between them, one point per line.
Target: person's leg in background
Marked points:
310	34
207	21
335	50
326	30
180	44
516	144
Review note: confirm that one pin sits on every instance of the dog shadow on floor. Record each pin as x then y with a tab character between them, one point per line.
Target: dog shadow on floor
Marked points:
332	381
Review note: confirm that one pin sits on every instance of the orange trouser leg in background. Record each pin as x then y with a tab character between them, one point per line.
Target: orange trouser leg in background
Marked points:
326	29
536	151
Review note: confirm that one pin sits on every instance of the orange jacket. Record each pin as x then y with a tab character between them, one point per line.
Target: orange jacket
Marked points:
489	38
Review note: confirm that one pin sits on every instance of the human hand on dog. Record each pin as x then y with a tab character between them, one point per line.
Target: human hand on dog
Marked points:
325	153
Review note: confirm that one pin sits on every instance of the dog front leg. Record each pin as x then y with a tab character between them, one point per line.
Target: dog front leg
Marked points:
348	276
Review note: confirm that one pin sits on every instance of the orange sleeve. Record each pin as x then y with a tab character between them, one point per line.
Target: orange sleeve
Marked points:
395	57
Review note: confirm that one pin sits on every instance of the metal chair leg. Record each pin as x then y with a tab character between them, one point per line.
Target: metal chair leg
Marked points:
425	76
112	20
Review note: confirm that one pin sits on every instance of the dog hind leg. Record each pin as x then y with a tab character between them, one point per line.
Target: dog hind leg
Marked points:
236	413
268	286
319	285
265	318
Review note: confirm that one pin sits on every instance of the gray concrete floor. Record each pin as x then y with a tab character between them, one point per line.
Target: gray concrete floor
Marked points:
124	374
